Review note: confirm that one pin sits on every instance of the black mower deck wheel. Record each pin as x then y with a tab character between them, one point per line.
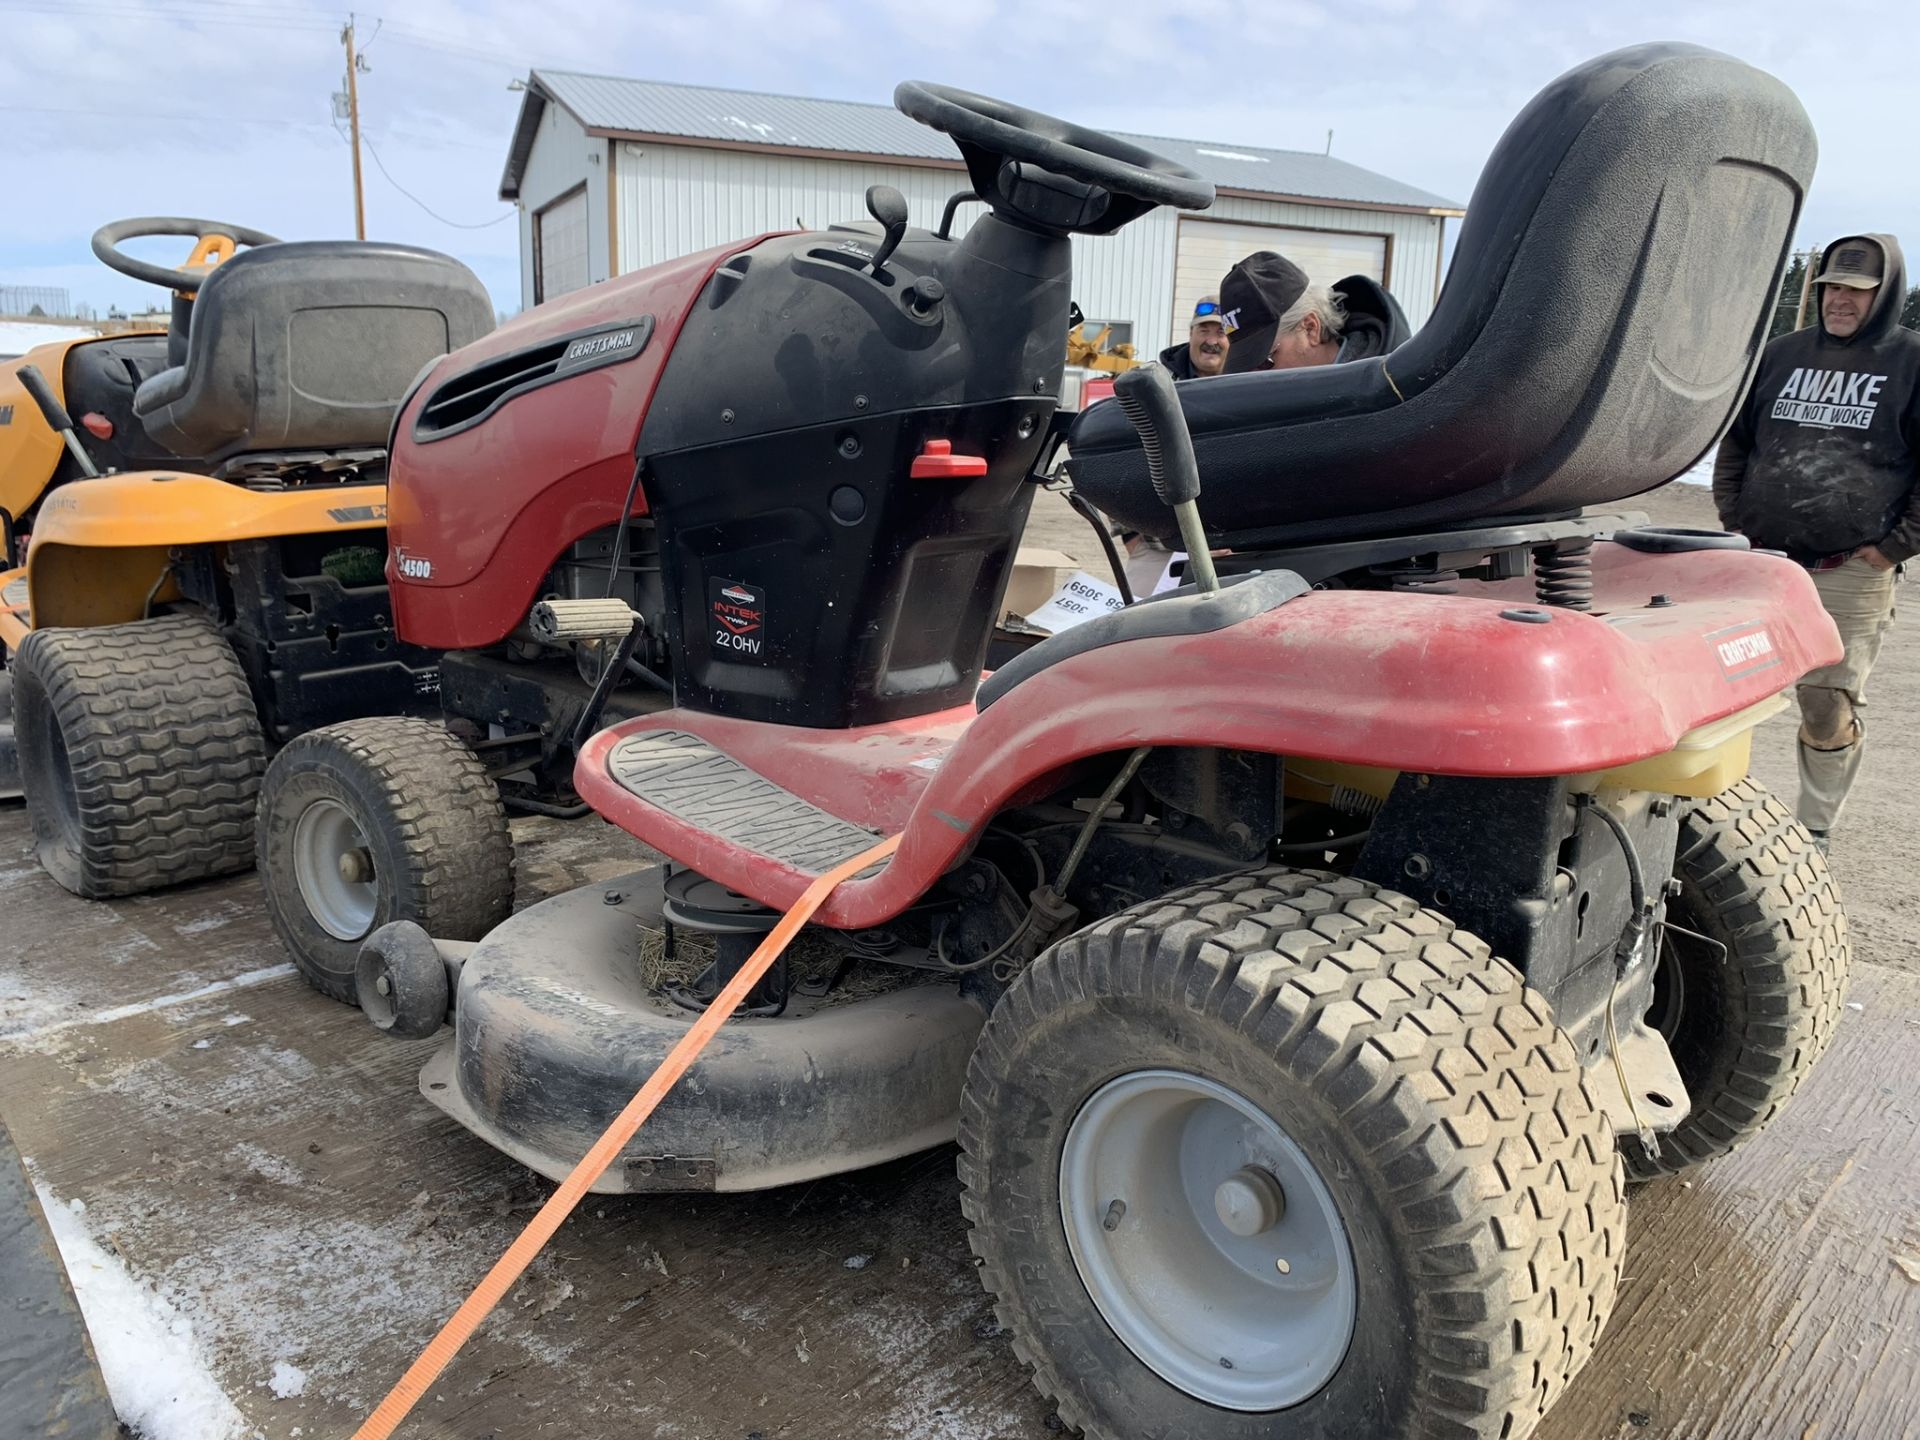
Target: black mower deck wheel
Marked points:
1287	1154
1750	1010
140	754
375	820
401	981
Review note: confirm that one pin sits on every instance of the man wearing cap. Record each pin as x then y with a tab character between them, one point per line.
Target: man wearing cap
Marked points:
1821	463
1276	318
1205	351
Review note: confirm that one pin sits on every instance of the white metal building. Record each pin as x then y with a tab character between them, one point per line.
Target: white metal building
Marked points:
614	175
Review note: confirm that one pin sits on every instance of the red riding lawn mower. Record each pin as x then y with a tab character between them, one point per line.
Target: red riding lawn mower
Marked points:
1304	959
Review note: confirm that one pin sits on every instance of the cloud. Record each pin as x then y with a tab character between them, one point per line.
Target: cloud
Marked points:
121	107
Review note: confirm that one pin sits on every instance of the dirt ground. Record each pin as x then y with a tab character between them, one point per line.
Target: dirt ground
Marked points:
260	1158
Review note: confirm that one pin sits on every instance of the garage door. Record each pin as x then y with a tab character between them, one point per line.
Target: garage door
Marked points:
1210	248
560	247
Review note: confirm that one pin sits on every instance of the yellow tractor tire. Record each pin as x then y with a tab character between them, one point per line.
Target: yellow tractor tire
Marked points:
140	754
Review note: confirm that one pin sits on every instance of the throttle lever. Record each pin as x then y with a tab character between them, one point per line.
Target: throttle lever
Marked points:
56	417
1147	396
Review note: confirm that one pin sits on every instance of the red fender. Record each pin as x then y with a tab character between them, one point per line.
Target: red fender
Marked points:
1441	684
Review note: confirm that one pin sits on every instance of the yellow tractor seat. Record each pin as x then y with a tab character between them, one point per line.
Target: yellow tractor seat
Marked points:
309	345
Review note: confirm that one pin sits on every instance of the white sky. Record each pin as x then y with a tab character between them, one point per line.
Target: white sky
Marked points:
221	108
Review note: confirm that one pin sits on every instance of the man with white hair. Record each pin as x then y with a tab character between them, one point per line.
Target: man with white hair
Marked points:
1276	318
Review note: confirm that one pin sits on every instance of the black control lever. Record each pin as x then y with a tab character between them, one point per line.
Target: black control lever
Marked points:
56	416
889	207
1147	397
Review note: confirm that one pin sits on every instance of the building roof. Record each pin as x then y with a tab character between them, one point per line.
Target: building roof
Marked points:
695	114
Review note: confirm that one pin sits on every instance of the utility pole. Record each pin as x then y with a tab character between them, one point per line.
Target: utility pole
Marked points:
1806	289
353	121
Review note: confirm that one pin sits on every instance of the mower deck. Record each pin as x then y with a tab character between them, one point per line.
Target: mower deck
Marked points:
555	1030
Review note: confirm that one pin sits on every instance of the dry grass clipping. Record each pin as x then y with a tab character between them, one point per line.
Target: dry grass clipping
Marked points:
812	956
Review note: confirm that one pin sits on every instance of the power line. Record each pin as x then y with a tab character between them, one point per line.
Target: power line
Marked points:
367	140
206	119
284	21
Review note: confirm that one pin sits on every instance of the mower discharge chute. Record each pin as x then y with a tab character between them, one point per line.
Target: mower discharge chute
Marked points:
195	523
1303	959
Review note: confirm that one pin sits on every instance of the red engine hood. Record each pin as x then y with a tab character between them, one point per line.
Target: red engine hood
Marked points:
476	518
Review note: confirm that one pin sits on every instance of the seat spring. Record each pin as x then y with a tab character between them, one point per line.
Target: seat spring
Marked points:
1563	574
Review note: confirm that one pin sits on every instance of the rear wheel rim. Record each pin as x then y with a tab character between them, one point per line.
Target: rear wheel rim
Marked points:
329	848
1207	1240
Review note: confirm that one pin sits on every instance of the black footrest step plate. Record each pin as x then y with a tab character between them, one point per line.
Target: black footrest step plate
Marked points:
690	780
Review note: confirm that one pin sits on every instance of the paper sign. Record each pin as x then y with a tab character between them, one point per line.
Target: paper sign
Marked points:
1174	576
1081	598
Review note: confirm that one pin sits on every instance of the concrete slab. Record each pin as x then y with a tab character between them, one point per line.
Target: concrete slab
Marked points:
259	1156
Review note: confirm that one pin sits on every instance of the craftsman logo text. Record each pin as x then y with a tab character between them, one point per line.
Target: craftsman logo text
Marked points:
1743	650
599	345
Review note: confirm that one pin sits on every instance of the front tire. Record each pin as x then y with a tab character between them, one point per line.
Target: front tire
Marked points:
1746	1026
1427	1103
371	821
140	754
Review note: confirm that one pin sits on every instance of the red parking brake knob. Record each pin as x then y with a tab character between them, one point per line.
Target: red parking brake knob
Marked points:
936	461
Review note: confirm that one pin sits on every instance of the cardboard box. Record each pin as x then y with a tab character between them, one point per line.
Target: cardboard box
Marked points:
1037	573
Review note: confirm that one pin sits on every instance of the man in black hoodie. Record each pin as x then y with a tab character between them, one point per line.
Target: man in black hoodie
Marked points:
1821	463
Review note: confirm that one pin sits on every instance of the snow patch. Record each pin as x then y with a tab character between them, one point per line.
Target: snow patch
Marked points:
155	1373
159	1002
288	1381
18	336
268	1165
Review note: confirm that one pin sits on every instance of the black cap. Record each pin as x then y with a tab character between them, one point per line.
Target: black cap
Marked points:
1255	294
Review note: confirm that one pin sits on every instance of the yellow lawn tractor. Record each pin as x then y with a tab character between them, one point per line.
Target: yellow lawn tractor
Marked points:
194	525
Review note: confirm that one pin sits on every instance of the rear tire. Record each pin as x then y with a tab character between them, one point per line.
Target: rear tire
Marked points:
9	752
1745	1030
376	820
1442	1110
140	754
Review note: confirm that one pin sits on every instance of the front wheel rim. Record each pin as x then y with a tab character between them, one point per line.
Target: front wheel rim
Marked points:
329	852
1207	1240
1667	1006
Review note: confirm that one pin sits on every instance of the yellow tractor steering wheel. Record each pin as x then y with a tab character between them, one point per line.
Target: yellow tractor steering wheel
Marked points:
213	242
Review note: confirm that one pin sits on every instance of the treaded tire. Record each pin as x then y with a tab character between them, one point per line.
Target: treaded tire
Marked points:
435	829
1751	1028
1475	1176
140	754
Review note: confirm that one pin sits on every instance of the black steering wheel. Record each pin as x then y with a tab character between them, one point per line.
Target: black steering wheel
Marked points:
214	241
997	130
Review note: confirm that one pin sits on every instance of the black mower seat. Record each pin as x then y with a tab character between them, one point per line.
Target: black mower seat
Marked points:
310	345
1608	299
